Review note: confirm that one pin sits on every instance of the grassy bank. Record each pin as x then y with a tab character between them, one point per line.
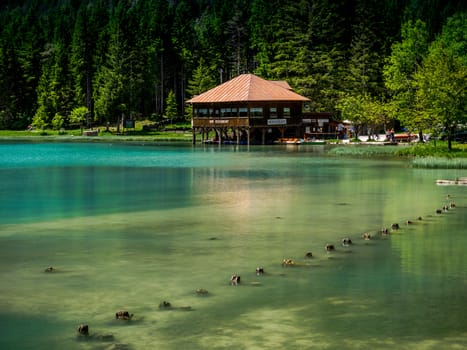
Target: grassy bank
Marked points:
427	155
362	150
439	163
76	135
430	149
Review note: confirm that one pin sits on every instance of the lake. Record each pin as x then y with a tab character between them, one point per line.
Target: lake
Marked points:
126	226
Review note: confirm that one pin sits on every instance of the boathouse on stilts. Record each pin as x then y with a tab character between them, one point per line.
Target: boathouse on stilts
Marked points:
248	109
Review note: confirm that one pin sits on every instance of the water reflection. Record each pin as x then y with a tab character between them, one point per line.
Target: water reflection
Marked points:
148	224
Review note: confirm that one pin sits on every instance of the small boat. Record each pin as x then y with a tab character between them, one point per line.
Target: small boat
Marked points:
313	142
460	181
289	141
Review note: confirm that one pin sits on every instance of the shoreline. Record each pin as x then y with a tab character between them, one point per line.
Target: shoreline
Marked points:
431	155
91	139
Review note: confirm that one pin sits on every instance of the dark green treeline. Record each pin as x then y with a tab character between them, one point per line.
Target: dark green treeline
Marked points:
124	57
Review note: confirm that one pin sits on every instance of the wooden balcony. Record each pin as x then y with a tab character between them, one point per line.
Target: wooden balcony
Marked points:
220	122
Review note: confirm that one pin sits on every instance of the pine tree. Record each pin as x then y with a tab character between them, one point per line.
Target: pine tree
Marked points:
363	75
90	23
262	34
202	80
329	42
171	107
111	102
237	39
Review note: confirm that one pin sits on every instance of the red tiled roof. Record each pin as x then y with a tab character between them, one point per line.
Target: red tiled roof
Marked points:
248	87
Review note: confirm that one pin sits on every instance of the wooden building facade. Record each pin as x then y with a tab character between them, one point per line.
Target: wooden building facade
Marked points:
249	109
321	125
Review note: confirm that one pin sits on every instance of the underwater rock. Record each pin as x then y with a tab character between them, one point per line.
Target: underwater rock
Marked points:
165	305
123	315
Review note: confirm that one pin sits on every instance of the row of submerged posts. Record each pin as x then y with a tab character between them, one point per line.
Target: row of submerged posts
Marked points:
83	329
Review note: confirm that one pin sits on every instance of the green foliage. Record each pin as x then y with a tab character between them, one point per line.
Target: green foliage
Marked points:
5	118
202	79
362	110
437	149
442	88
171	109
110	87
364	151
454	36
78	115
261	38
419	155
363	72
40	119
188	112
291	54
123	57
399	73
425	150
439	162
86	45
406	56
58	121
441	80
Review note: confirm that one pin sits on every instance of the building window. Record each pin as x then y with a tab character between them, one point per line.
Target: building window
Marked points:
201	112
243	112
228	112
286	112
214	113
256	112
273	112
225	112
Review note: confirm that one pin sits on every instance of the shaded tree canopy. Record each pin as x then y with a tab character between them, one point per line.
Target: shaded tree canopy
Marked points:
124	57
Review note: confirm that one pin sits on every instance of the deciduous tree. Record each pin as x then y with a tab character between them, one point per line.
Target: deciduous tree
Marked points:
399	74
441	80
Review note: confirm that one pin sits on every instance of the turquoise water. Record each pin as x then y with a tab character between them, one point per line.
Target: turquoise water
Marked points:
127	226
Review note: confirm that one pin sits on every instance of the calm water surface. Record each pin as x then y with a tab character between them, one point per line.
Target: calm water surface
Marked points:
128	226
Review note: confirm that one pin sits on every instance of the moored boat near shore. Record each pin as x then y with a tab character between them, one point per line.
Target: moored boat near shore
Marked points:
458	181
314	142
289	141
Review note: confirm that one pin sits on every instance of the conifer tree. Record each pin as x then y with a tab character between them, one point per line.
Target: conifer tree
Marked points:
171	107
126	55
202	80
111	103
90	23
329	44
363	70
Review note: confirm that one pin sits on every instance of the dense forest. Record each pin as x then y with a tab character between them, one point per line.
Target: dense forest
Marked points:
70	62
